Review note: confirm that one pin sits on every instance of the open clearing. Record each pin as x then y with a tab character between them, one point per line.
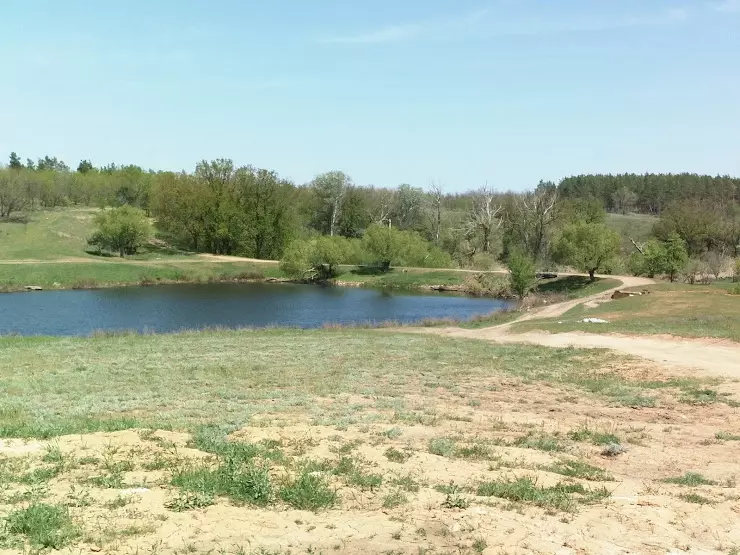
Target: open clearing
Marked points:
368	442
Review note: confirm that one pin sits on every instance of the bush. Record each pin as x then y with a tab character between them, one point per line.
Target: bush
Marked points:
736	271
122	230
522	273
694	271
487	285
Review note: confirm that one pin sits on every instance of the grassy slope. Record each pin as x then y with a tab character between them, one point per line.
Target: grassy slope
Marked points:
73	385
677	309
634	226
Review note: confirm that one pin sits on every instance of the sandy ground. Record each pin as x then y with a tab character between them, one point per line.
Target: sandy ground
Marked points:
643	515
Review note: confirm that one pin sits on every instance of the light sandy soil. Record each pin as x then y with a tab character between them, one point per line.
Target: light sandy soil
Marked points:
642	514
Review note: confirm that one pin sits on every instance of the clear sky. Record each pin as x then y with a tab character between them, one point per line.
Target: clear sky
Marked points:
390	91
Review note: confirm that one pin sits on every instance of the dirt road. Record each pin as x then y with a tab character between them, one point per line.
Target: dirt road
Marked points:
710	356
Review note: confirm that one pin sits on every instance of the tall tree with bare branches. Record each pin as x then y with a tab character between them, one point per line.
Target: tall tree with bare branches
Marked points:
485	215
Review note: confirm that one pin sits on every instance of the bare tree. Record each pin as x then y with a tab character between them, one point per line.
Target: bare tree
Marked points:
436	195
485	215
533	215
385	203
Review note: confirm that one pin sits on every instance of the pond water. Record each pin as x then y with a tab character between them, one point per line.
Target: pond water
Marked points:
167	308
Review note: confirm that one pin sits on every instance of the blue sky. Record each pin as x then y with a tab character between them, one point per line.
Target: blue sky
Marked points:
390	91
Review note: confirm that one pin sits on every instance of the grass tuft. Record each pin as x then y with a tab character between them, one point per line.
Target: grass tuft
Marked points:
310	491
690	479
45	526
562	497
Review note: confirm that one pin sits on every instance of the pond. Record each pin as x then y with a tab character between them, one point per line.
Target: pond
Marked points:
168	308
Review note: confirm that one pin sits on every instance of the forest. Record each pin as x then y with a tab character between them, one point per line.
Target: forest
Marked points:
221	208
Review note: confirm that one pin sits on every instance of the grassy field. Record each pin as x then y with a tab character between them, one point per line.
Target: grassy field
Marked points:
369	442
676	309
631	226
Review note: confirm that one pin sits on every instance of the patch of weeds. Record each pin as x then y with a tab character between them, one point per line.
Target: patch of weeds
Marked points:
397	456
613	450
76	498
406	483
579	469
308	492
695	498
442	447
593	436
479	545
118	502
40	475
540	442
394	499
118	467
454	498
188	500
417	417
473	452
89	460
239	480
355	475
690	479
392	433
695	396
724	436
46	526
112	480
53	454
562	497
348	447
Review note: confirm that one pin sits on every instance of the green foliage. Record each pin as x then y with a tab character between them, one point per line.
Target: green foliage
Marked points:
563	497
579	469
45	526
442	447
676	256
587	247
522	273
122	230
395	499
309	491
394	455
593	436
690	479
317	259
736	271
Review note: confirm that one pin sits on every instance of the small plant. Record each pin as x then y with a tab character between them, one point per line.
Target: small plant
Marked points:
45	526
187	500
695	498
613	450
392	433
579	469
394	499
53	454
118	502
394	455
454	497
700	397
690	479
112	480
308	492
442	447
724	436
406	483
40	475
563	497
78	499
545	443
473	452
479	545
592	436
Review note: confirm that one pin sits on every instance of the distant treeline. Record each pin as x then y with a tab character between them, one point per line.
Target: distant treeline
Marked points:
225	209
652	193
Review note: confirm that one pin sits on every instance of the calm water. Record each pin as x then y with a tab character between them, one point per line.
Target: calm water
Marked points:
168	308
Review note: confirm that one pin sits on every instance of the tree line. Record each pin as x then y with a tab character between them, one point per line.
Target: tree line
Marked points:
222	208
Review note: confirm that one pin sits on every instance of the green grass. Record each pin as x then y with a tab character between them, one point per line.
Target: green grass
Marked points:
47	235
57	386
576	287
579	469
695	498
677	309
561	497
724	436
308	492
44	525
593	436
690	479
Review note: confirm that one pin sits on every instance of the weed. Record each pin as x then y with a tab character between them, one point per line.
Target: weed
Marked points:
479	545
187	500
394	455
76	498
690	479
406	483
540	442
112	480
695	396
473	452
579	469
392	433
308	492
239	480
118	502
394	499
724	436
454	497
592	436
40	475
695	498
442	447
563	497
52	454
46	526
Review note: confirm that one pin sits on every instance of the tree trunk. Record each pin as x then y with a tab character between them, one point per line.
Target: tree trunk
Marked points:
121	252
591	274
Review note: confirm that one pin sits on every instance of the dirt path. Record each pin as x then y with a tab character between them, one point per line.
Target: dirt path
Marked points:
710	356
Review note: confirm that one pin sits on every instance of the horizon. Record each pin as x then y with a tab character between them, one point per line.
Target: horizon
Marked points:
504	92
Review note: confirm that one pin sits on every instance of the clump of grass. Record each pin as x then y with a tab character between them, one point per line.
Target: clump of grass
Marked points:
397	456
40	475
579	469
593	436
188	500
309	491
395	499
724	436
354	474
392	433
540	442
562	497
111	480
118	502
454	497
45	526
473	452
406	483
690	479
696	396
442	447
695	498
237	479
479	545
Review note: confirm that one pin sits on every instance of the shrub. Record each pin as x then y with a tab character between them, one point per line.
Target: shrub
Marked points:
46	526
122	230
736	271
487	285
522	273
442	447
310	491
